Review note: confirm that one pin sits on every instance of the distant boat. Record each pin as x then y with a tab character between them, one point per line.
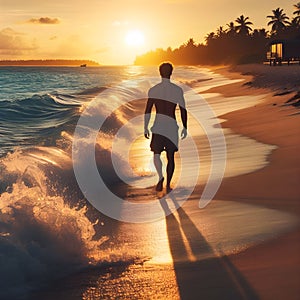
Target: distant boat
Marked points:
83	65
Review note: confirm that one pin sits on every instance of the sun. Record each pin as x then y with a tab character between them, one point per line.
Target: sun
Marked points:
135	38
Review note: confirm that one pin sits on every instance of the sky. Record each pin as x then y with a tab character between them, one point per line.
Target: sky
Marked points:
113	32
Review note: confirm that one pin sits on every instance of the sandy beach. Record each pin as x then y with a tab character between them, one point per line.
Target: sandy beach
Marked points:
275	122
271	268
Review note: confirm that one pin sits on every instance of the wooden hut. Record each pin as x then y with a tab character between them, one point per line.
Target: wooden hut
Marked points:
287	50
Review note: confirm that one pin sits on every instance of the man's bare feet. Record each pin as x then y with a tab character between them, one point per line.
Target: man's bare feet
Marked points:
159	186
169	189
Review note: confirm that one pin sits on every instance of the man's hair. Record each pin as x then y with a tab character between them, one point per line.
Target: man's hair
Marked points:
165	70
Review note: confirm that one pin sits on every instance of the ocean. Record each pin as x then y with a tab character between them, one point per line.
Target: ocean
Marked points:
56	244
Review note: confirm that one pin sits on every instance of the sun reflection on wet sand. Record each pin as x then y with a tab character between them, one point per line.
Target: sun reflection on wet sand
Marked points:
193	239
141	159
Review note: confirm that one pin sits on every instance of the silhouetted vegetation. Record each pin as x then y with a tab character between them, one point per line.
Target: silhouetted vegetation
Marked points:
48	62
236	44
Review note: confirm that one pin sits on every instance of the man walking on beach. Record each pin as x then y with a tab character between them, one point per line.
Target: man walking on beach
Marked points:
165	96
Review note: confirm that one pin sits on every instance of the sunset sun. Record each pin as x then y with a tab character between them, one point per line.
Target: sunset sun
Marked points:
134	38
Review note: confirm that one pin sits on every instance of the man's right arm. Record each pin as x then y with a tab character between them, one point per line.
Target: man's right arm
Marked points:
183	114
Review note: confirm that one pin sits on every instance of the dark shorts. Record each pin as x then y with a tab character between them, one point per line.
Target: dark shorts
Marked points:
161	143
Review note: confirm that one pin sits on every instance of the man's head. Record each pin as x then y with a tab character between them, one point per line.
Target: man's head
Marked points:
165	70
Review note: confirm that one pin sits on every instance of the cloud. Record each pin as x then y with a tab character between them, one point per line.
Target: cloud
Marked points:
14	43
44	20
10	31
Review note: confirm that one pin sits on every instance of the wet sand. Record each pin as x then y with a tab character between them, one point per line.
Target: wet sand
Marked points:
271	268
271	122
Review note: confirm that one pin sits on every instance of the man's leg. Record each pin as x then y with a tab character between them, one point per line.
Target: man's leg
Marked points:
158	166
170	169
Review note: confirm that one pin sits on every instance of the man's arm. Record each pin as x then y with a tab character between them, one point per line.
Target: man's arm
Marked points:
183	114
147	116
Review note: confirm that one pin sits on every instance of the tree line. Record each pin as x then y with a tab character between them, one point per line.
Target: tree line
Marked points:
236	43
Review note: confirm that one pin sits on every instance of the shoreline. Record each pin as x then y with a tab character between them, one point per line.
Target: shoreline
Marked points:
272	268
277	125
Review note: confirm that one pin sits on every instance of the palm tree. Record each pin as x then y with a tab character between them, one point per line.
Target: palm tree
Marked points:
209	37
295	23
279	20
260	33
297	12
297	7
220	31
293	30
190	43
244	25
231	28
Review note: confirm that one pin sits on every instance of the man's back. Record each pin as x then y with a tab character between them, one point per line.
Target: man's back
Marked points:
165	96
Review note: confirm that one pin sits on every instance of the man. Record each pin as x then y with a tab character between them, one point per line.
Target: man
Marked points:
165	96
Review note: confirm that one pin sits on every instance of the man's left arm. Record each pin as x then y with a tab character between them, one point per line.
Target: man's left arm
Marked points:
147	116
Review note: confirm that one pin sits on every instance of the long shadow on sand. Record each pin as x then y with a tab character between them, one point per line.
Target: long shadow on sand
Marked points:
201	278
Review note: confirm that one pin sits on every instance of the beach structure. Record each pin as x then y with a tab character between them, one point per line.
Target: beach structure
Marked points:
284	50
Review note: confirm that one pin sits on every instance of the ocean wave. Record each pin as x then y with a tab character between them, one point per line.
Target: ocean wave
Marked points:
35	120
92	91
47	229
40	119
42	236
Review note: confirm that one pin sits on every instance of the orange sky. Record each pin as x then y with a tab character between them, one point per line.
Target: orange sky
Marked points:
97	29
